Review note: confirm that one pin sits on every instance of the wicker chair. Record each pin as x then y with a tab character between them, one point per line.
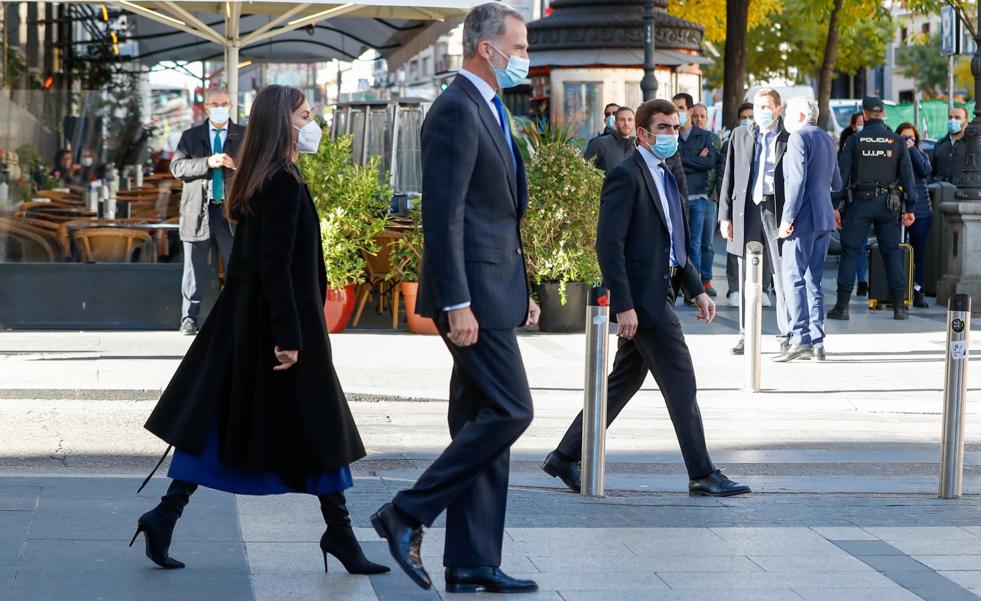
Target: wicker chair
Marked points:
379	267
109	245
23	245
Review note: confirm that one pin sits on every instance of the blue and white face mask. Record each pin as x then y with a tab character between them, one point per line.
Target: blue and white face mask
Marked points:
513	73
763	117
611	121
954	126
682	118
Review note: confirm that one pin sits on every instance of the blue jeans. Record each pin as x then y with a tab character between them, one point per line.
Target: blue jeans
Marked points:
702	221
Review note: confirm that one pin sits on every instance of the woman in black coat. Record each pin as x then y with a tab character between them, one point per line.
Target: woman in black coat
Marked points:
255	406
920	230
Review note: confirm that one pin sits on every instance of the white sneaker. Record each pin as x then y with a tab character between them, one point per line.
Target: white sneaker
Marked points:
766	300
732	299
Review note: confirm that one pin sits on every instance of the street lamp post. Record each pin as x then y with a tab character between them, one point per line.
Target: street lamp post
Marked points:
648	85
969	185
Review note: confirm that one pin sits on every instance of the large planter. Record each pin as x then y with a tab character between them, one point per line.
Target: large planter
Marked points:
417	323
338	308
556	317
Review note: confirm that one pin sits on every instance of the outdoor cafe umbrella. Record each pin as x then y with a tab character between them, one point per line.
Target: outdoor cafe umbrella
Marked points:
268	30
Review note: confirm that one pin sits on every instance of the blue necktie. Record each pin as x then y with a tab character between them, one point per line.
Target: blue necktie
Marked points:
674	214
217	177
502	116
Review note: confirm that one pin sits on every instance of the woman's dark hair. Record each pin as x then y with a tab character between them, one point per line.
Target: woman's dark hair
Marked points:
916	132
853	122
268	147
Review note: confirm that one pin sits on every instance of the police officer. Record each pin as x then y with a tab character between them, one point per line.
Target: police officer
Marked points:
873	163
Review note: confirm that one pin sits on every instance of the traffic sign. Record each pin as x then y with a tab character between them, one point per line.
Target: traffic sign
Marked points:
950	31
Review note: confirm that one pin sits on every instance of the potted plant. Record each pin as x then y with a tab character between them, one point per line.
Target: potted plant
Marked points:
559	233
352	203
406	262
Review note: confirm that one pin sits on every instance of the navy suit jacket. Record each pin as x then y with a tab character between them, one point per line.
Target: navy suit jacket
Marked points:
473	200
633	244
810	175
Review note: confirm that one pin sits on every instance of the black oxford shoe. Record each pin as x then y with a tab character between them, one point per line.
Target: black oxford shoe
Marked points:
404	543
739	348
716	484
487	579
567	471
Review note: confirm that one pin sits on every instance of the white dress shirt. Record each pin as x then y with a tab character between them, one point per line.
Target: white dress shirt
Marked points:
764	175
657	167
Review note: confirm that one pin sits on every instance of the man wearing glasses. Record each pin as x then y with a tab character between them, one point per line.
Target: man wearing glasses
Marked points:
205	161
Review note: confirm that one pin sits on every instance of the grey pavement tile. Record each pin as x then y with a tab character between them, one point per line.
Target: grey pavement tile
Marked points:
18	498
877	594
312	587
936	533
894	564
287	558
14	525
580	582
827	580
111	571
770	594
970	579
843	533
939	547
861	548
933	586
809	563
536	596
612	564
950	562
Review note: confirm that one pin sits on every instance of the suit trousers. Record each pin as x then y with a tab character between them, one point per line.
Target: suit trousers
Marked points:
661	349
858	218
197	261
490	406
803	270
763	225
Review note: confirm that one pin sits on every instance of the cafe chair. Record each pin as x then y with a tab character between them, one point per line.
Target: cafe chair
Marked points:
21	245
379	280
105	245
46	229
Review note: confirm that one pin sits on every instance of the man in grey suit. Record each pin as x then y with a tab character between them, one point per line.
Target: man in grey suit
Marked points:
810	172
475	286
205	161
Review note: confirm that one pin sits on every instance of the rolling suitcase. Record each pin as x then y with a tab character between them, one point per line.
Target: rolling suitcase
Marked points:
879	293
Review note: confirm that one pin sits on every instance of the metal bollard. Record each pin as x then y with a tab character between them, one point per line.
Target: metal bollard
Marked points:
955	388
594	405
753	317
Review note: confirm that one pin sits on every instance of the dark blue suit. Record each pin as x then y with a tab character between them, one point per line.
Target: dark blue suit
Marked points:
810	172
474	195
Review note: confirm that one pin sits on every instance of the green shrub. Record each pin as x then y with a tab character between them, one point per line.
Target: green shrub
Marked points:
352	203
559	229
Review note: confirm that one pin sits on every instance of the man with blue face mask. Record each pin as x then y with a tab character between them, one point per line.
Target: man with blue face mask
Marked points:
948	155
475	286
642	244
205	162
751	199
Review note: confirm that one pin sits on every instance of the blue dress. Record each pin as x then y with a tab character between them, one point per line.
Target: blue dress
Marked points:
208	470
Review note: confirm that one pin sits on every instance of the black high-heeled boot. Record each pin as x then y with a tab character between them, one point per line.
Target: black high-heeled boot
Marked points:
157	525
339	540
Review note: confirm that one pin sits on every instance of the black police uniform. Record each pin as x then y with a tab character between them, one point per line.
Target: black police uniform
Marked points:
872	161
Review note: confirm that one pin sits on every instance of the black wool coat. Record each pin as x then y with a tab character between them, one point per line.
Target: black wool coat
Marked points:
295	422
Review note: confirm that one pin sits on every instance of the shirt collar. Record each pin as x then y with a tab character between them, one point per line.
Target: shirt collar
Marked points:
486	92
212	128
649	157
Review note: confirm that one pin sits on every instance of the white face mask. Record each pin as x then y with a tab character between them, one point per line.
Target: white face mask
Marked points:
87	161
219	114
309	138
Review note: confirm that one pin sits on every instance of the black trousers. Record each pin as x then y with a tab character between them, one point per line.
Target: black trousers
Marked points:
197	262
661	349
490	406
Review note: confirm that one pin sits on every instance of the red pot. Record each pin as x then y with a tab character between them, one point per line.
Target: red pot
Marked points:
417	323
338	308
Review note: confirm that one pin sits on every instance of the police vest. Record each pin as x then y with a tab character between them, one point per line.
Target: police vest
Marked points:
876	161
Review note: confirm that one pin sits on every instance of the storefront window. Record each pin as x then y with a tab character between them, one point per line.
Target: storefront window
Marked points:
583	106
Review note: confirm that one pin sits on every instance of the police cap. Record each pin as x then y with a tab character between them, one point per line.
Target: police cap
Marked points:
872	104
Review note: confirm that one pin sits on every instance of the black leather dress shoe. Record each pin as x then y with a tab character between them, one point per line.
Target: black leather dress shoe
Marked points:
404	543
567	471
716	484
739	348
487	579
799	351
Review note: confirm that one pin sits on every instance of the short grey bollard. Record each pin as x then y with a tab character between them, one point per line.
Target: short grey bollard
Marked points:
594	405
955	388
753	315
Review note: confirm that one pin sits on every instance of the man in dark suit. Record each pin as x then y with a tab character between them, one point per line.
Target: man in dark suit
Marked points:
205	161
474	284
751	198
642	243
810	175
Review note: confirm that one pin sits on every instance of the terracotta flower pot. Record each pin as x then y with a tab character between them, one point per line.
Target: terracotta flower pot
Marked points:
417	323
338	308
